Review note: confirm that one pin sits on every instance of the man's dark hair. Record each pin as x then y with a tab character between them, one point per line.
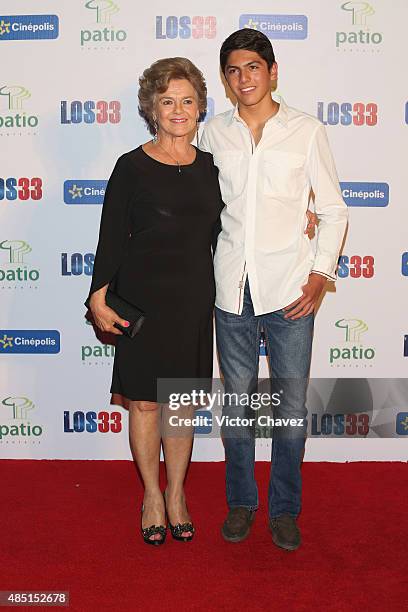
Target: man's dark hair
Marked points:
250	40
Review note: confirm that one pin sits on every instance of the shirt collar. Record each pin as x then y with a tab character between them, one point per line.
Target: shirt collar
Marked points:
281	116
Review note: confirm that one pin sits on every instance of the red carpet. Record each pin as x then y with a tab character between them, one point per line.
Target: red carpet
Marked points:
74	526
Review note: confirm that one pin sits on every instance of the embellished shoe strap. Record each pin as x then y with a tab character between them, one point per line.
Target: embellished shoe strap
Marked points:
148	532
181	528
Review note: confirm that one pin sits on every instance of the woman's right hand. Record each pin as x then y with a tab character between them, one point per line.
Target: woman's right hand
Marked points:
104	317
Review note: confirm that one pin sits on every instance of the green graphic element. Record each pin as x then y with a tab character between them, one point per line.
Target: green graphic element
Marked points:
76	192
6	342
18	249
21	406
15	94
253	25
4	27
360	11
354	328
104	9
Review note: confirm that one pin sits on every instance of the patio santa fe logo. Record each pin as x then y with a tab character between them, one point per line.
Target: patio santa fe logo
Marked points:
14	269
96	354
13	99
351	352
19	427
276	26
104	36
28	27
360	38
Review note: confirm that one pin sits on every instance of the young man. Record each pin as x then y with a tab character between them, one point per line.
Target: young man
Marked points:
268	276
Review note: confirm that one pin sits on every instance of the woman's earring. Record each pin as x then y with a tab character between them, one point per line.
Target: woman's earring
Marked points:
155	127
197	126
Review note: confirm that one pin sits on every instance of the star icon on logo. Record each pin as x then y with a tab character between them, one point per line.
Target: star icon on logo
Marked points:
252	24
404	424
4	27
76	192
6	341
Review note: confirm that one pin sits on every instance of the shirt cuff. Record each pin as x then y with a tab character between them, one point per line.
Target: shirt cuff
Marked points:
326	265
328	276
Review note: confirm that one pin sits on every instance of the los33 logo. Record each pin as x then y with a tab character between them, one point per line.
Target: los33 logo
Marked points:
356	266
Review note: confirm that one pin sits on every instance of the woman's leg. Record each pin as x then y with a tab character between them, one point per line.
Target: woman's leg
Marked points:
144	439
177	446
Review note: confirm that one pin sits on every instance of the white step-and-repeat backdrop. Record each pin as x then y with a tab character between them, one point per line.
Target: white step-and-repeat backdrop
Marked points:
68	108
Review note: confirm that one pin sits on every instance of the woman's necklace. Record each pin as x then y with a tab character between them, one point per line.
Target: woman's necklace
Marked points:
170	155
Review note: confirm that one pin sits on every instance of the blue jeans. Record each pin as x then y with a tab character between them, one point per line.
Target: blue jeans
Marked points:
289	345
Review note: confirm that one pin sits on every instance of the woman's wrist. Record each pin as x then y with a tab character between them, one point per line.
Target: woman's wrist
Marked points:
98	297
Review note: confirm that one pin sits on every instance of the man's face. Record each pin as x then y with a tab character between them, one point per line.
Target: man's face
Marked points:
248	76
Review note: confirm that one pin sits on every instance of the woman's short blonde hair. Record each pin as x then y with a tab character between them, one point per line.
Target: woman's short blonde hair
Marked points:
155	80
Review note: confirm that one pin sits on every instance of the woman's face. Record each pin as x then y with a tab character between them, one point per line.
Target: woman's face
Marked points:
176	110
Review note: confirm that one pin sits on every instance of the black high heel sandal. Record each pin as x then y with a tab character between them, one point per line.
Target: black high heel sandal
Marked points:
179	529
148	532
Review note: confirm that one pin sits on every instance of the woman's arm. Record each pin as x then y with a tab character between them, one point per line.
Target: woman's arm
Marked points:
113	237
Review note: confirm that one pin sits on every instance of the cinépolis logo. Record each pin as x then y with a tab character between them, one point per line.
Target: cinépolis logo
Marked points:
80	192
14	120
28	27
365	194
360	37
18	428
14	271
276	26
103	36
352	352
29	341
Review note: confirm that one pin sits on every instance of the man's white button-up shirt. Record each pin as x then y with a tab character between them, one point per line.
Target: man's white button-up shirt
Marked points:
266	190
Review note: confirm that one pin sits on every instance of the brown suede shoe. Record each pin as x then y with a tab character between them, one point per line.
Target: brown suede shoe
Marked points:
238	523
285	532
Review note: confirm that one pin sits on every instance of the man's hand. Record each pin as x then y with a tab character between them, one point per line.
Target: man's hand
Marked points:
307	302
311	224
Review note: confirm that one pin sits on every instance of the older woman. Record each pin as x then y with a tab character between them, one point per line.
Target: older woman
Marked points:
161	206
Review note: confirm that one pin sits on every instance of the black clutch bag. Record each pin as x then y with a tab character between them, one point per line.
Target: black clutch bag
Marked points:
125	310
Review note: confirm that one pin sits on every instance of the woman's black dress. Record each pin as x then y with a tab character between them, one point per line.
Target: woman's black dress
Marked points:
155	240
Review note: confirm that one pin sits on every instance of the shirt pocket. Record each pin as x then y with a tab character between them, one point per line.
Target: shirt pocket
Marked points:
283	174
231	175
